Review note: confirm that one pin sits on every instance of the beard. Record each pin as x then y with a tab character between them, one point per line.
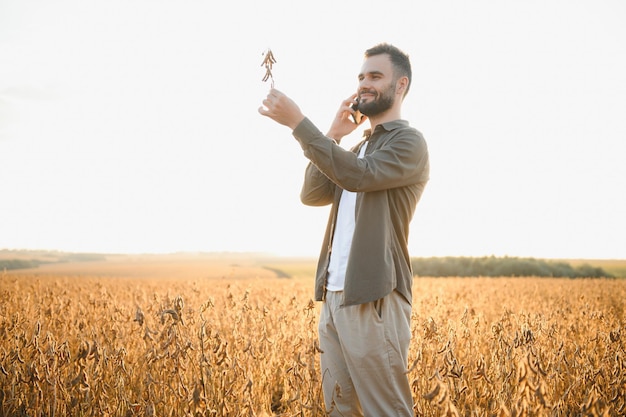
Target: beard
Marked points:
383	102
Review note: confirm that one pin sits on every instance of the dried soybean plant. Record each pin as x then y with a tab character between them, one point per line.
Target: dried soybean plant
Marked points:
268	62
552	354
248	347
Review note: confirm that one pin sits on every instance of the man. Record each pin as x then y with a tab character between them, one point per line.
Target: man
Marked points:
364	274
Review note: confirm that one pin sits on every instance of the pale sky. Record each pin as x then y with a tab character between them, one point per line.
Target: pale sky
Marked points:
132	126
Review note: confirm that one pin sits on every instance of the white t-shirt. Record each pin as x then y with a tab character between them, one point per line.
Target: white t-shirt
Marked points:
342	239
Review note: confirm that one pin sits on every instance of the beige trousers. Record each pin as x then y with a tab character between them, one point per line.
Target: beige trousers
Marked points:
365	356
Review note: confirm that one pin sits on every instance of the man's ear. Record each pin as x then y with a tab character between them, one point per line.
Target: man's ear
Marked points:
401	85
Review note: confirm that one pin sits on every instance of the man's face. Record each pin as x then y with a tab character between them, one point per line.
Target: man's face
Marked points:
377	85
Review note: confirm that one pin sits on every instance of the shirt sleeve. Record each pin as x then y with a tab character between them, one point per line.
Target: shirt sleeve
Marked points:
317	189
401	160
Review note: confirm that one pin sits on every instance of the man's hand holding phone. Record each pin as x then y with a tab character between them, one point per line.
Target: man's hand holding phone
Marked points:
346	120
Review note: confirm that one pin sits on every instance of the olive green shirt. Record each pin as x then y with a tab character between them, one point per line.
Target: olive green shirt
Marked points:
389	181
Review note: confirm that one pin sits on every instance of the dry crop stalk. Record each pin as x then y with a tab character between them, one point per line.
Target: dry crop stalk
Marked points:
268	62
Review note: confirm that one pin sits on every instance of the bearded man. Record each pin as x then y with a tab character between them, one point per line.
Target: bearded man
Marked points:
364	276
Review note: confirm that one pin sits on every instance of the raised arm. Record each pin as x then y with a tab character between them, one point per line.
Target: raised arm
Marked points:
401	160
317	189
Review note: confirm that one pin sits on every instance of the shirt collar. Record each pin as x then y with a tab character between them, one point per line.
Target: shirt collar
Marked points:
387	126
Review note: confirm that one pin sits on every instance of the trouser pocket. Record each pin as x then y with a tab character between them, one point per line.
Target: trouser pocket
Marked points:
378	307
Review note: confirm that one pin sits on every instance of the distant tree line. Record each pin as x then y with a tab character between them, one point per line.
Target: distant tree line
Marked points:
491	266
10	264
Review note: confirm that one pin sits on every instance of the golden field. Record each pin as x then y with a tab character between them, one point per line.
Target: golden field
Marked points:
224	336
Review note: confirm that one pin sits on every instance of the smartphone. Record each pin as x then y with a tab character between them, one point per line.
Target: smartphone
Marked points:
356	116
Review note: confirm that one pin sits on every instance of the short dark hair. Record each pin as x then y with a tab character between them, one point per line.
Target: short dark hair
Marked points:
399	60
